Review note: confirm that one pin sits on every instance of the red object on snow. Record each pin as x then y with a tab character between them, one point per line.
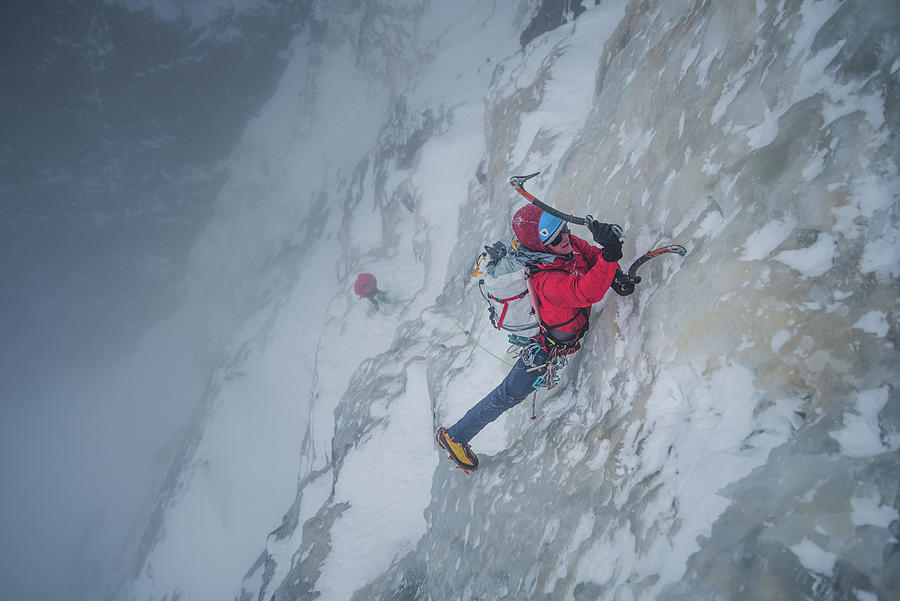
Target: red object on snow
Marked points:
365	284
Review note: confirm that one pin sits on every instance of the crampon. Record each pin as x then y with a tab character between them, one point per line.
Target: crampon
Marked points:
460	454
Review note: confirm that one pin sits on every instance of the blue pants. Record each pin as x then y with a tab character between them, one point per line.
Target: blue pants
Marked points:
514	388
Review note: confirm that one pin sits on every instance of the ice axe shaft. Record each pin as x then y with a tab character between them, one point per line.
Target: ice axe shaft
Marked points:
518	182
675	249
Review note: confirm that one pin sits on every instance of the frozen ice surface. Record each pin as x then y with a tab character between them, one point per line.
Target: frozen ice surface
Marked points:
730	431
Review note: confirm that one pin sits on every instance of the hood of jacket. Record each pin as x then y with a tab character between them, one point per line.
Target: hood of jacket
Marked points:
541	259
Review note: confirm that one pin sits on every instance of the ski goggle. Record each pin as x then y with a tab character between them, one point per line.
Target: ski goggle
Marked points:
557	240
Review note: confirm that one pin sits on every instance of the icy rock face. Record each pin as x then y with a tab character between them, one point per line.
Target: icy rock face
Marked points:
547	15
753	380
730	431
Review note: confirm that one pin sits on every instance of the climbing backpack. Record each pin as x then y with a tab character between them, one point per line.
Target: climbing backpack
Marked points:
504	285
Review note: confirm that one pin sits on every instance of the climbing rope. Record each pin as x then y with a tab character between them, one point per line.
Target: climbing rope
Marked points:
476	343
527	349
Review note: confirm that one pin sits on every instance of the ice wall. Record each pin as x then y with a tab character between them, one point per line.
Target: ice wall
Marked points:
729	431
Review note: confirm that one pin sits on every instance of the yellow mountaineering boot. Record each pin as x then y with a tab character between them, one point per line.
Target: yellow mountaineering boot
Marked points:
460	454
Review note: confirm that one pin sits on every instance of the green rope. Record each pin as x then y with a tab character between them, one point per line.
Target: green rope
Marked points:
469	336
478	344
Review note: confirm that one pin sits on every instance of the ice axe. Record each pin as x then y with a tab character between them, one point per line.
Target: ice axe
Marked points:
518	182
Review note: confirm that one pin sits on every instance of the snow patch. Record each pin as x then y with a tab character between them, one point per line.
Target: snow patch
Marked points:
779	339
861	435
869	511
873	322
814	558
368	536
812	261
767	238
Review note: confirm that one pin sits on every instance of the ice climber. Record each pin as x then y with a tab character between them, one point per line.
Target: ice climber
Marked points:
366	286
567	276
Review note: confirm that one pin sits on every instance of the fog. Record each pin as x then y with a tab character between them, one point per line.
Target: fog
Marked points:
196	405
116	117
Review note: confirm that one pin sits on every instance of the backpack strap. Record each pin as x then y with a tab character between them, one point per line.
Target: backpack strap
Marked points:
505	302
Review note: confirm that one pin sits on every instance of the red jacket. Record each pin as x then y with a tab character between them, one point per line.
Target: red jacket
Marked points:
567	287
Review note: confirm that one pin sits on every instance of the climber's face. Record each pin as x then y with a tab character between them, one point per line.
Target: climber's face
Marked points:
561	244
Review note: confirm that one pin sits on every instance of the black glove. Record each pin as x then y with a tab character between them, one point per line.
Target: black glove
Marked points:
605	235
622	284
495	252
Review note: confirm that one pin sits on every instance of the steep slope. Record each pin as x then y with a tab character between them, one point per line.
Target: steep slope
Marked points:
729	431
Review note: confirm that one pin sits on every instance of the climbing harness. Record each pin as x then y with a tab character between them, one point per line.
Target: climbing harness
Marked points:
528	349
